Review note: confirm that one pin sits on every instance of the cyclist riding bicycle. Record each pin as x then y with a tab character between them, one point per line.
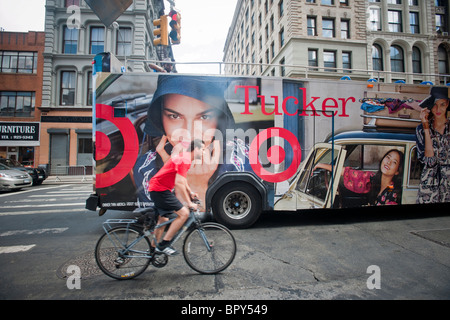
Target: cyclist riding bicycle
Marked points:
172	176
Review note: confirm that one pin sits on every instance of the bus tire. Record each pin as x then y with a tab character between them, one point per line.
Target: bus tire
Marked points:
237	205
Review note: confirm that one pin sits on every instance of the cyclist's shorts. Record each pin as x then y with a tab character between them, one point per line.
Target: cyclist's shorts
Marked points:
166	200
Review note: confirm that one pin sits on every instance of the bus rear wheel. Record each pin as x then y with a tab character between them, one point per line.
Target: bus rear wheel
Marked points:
237	205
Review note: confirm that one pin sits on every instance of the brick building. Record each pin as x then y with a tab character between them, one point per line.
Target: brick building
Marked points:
21	71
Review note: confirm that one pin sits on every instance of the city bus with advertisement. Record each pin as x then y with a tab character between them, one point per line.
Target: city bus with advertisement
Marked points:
271	143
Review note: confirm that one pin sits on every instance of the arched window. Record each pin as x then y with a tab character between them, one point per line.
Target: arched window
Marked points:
377	57
417	60
443	60
397	59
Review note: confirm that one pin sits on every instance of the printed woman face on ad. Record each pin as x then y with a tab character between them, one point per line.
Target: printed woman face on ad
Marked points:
390	164
185	118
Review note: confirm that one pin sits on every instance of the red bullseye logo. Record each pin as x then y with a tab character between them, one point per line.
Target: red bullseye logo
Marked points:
103	147
276	154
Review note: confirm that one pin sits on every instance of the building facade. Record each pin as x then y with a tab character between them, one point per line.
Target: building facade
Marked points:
73	36
391	40
21	71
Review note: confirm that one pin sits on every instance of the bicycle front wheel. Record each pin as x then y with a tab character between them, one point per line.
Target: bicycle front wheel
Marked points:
119	256
210	248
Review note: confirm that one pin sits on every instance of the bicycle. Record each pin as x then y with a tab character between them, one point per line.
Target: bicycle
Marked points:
125	250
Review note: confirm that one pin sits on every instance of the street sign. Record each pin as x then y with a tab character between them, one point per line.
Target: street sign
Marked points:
108	10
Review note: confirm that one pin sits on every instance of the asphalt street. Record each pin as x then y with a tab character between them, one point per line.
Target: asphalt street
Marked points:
324	255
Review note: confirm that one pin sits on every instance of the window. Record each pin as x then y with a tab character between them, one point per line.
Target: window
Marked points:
18	62
67	92
440	23
89	89
327	2
70	40
413	2
97	42
281	37
347	61
282	68
312	26
397	60
328	28
311	181
416	60
281	8
414	22
69	3
345	29
85	145
443	60
16	104
394	1
375	19
312	59
124	41
329	60
395	21
415	169
377	58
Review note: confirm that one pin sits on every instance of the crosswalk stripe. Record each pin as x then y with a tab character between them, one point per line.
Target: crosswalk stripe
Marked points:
42	205
31	190
62	210
30	232
14	249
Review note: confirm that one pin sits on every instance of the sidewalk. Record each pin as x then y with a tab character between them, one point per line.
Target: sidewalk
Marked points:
68	179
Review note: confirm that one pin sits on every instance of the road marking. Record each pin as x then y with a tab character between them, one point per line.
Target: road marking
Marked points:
62	210
46	200
30	190
55	193
29	232
61	195
43	205
14	249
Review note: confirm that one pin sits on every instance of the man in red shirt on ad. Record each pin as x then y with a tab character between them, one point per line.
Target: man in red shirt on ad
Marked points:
172	176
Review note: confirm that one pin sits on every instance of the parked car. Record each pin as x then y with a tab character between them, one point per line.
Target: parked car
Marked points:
317	188
37	174
11	179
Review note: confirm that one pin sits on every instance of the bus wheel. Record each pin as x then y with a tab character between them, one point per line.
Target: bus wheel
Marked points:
237	205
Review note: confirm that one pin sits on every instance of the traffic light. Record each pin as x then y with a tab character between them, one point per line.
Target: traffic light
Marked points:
175	24
161	31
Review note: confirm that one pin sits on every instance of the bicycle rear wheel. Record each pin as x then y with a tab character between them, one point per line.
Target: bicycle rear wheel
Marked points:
117	259
210	248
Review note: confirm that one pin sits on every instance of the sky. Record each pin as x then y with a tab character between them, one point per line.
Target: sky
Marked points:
204	28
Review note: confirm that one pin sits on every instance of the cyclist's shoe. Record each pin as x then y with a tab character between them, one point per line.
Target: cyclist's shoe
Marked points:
167	249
